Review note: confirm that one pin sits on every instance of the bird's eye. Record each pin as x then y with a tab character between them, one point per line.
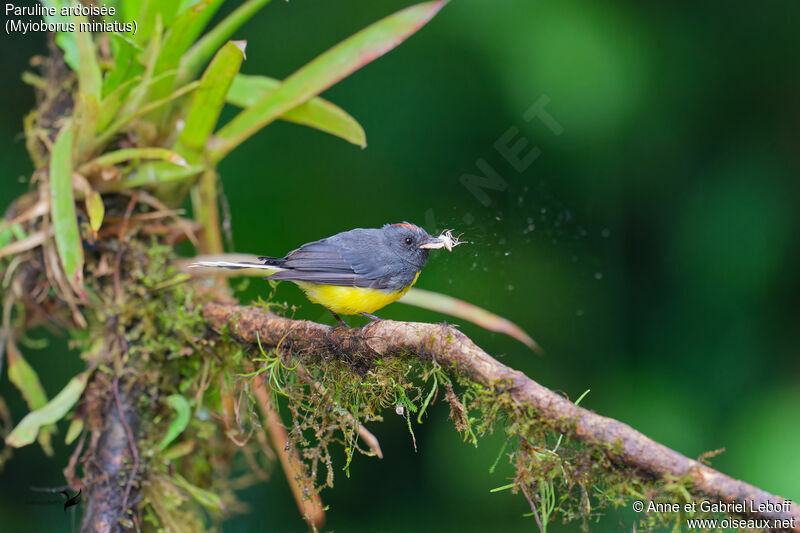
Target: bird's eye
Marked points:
409	240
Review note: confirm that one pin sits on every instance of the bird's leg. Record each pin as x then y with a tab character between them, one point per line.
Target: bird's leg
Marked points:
372	320
341	322
339	319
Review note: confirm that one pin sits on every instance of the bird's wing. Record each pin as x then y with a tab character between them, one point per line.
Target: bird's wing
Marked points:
347	259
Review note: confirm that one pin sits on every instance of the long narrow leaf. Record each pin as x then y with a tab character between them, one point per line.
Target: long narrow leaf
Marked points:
26	380
125	66
441	303
149	11
149	58
90	85
62	209
201	52
209	98
92	199
50	413
111	103
130	154
184	32
65	40
316	113
182	416
205	498
152	173
143	110
90	80
130	9
179	38
324	71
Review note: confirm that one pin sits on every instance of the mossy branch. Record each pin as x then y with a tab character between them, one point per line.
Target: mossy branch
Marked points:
454	351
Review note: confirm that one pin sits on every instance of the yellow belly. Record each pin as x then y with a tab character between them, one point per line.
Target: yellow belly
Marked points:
351	300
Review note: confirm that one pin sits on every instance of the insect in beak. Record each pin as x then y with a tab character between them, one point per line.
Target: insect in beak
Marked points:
445	240
435	244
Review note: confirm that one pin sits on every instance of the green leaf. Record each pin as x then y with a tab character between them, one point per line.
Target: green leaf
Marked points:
316	113
201	52
112	102
94	202
148	58
62	209
75	428
322	72
441	303
130	9
187	4
65	40
205	498
126	117
25	379
184	32
209	98
179	38
96	210
129	154
87	115
152	173
50	413
124	51
90	80
182	416
149	11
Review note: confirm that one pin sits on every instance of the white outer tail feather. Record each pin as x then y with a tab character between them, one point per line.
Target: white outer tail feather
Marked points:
234	265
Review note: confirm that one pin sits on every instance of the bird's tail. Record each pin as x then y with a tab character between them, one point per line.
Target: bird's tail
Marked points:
268	267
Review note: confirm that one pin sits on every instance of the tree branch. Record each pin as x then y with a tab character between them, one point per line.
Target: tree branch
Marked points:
109	480
455	351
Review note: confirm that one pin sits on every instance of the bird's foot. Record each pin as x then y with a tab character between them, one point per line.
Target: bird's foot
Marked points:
342	324
372	320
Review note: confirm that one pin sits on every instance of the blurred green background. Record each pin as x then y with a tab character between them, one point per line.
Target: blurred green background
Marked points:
651	248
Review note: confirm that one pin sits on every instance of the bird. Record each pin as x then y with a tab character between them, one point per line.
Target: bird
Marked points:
355	272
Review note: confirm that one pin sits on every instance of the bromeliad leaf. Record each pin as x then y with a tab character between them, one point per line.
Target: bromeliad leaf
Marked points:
26	380
90	81
62	209
209	98
182	416
205	498
316	113
65	40
92	199
201	52
152	173
322	72
95	209
125	67
442	303
179	38
129	154
149	12
50	413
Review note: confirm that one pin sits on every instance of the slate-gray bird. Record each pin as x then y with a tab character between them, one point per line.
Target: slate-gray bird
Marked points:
353	272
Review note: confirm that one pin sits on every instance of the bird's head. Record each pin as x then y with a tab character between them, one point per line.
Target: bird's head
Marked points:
413	243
